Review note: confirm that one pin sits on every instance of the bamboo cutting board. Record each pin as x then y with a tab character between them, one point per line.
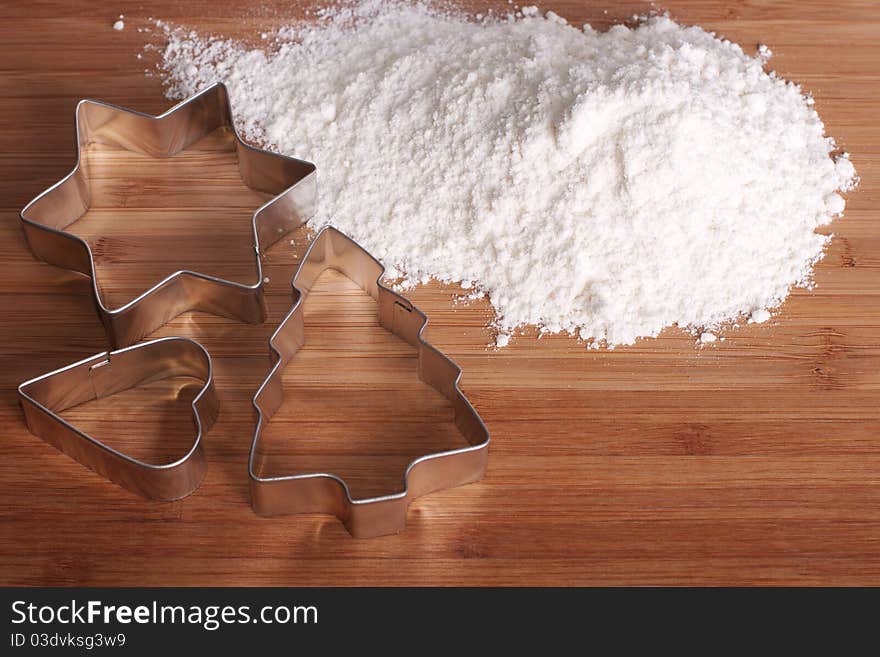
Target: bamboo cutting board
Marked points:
753	461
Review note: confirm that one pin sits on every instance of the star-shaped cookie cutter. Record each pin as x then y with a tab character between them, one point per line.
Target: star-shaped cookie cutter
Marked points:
327	493
45	219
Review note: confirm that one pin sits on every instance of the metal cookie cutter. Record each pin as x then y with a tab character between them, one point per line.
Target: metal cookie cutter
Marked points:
106	374
46	218
327	493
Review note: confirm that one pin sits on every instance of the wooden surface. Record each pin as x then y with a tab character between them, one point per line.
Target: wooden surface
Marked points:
753	461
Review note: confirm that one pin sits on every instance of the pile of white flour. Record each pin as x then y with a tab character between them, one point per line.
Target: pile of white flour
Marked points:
605	184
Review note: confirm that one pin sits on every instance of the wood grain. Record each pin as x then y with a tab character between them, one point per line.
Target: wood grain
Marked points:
751	462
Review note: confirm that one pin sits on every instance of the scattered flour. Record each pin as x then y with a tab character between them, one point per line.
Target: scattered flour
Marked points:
602	184
119	25
706	337
759	316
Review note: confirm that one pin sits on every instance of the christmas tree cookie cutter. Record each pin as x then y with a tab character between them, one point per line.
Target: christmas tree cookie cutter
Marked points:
326	493
105	374
46	218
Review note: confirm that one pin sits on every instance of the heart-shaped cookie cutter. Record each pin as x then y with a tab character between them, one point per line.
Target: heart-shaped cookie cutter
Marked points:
327	493
46	218
102	375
